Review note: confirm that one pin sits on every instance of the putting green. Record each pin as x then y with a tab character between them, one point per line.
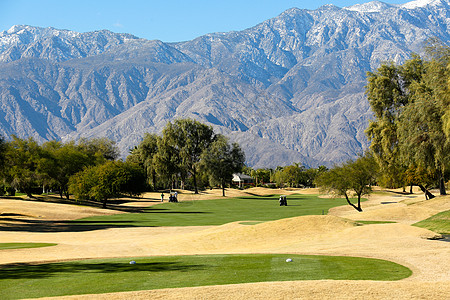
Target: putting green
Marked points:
4	246
117	275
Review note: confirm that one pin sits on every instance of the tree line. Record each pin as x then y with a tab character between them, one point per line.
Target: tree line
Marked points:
410	132
293	176
188	153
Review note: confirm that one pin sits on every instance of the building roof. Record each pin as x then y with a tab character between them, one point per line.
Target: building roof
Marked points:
241	177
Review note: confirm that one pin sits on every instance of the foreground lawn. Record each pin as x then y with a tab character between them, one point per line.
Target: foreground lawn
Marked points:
117	275
24	245
218	212
439	223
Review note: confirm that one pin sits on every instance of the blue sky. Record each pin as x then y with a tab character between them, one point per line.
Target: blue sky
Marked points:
166	20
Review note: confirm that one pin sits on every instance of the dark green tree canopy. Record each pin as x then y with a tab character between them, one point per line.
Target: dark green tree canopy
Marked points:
23	159
411	104
221	160
145	155
62	161
101	148
186	139
356	176
108	180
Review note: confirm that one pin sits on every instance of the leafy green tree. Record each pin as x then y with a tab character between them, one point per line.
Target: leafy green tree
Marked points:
221	160
99	149
167	159
356	176
309	175
22	159
411	104
111	179
388	93
189	138
63	161
3	146
293	175
422	137
422	178
263	175
145	155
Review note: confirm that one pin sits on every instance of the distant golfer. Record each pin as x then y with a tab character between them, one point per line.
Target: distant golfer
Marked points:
162	197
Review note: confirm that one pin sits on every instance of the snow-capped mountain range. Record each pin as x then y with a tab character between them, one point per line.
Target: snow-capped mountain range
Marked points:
290	89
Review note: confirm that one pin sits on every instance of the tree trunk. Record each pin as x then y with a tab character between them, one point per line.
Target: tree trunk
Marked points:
223	188
104	203
411	189
154	180
358	208
442	185
194	177
11	191
427	193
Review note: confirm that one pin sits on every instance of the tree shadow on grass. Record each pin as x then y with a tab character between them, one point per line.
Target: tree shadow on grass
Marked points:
259	198
175	212
31	271
18	224
274	197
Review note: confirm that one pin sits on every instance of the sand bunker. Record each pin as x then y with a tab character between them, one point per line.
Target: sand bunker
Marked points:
323	289
406	209
268	236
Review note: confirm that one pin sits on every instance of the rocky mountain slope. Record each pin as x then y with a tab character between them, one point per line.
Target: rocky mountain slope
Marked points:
290	89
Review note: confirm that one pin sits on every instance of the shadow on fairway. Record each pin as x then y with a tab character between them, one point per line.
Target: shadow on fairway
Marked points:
174	212
59	226
273	197
31	271
259	198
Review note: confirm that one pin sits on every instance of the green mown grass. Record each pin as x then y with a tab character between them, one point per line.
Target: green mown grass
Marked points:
4	246
218	212
117	275
439	223
374	222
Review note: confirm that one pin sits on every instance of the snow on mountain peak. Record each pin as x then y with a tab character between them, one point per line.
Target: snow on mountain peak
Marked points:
374	6
419	3
16	28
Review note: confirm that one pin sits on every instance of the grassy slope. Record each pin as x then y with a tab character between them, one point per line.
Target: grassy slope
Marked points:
115	275
24	245
218	212
439	223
